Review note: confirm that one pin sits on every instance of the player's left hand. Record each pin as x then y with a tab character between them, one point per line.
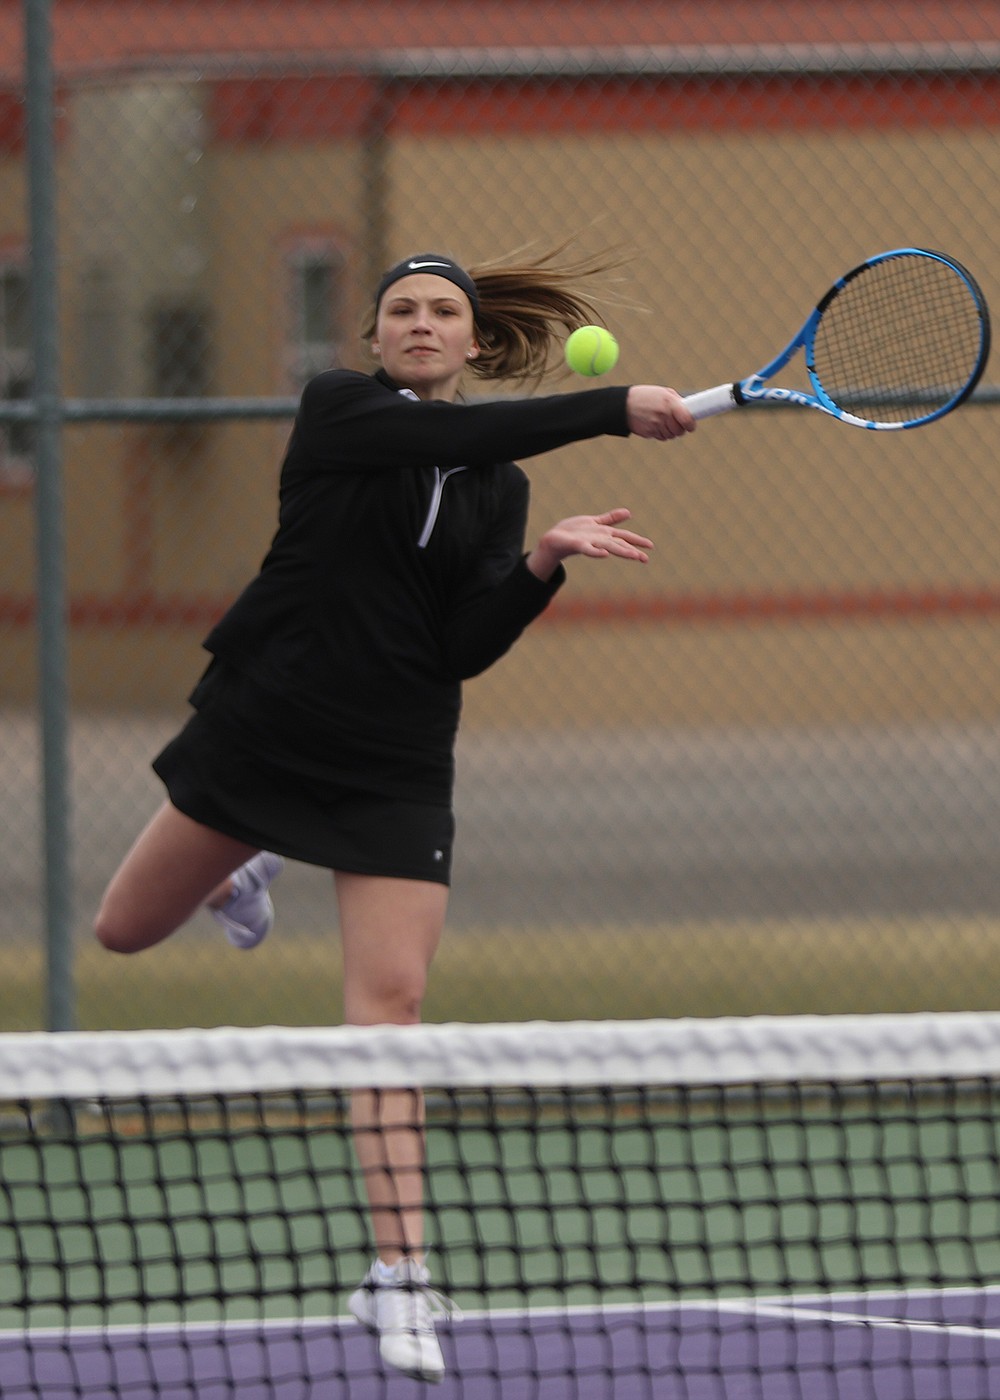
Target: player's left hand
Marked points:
594	536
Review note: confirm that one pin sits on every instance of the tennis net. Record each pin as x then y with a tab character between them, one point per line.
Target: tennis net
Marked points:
768	1209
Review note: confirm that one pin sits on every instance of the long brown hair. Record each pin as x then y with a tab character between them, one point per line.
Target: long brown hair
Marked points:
528	304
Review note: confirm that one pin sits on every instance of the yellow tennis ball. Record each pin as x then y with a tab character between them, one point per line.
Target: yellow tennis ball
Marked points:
591	350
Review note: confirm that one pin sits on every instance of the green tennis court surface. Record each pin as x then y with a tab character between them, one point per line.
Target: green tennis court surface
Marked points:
531	1212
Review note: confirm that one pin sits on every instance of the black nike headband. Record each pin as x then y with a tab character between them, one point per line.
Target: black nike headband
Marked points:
435	263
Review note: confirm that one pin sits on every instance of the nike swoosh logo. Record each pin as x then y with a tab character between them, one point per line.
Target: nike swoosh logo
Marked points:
415	265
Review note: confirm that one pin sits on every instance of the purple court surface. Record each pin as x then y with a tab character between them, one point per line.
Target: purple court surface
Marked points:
906	1346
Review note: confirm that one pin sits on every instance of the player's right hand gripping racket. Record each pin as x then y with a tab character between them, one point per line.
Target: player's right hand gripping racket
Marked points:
896	342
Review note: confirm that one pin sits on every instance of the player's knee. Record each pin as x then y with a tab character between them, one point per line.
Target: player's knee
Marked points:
394	1001
110	934
409	1007
401	1006
122	934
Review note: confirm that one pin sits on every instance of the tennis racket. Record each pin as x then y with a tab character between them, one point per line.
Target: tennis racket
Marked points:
898	341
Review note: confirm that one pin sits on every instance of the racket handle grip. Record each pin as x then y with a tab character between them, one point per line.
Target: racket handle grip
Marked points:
709	402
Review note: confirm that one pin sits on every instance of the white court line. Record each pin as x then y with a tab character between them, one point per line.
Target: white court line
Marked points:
806	1307
796	1309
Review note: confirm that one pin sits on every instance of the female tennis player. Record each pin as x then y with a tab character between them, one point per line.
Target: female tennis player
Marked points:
324	726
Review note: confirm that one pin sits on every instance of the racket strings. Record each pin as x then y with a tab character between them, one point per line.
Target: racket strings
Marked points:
901	340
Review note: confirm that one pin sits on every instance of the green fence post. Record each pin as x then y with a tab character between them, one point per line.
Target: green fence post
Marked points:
49	508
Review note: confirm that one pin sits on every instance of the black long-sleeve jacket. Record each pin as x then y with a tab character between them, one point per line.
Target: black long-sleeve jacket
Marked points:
396	571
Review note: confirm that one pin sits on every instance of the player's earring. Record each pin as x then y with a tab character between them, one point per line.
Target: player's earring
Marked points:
376	349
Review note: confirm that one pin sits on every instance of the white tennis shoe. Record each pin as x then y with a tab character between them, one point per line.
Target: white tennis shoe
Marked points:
398	1305
248	914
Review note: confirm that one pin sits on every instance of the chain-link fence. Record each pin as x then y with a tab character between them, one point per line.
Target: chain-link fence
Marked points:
762	774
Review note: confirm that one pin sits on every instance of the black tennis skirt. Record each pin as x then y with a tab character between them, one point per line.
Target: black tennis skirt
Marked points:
219	774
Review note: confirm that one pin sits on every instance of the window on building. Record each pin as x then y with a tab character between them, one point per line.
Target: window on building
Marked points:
100	333
17	439
315	273
179	345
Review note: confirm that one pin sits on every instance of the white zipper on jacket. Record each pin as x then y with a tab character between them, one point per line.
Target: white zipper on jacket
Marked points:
440	478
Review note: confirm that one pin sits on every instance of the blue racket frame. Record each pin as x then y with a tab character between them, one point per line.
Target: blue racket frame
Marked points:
756	389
